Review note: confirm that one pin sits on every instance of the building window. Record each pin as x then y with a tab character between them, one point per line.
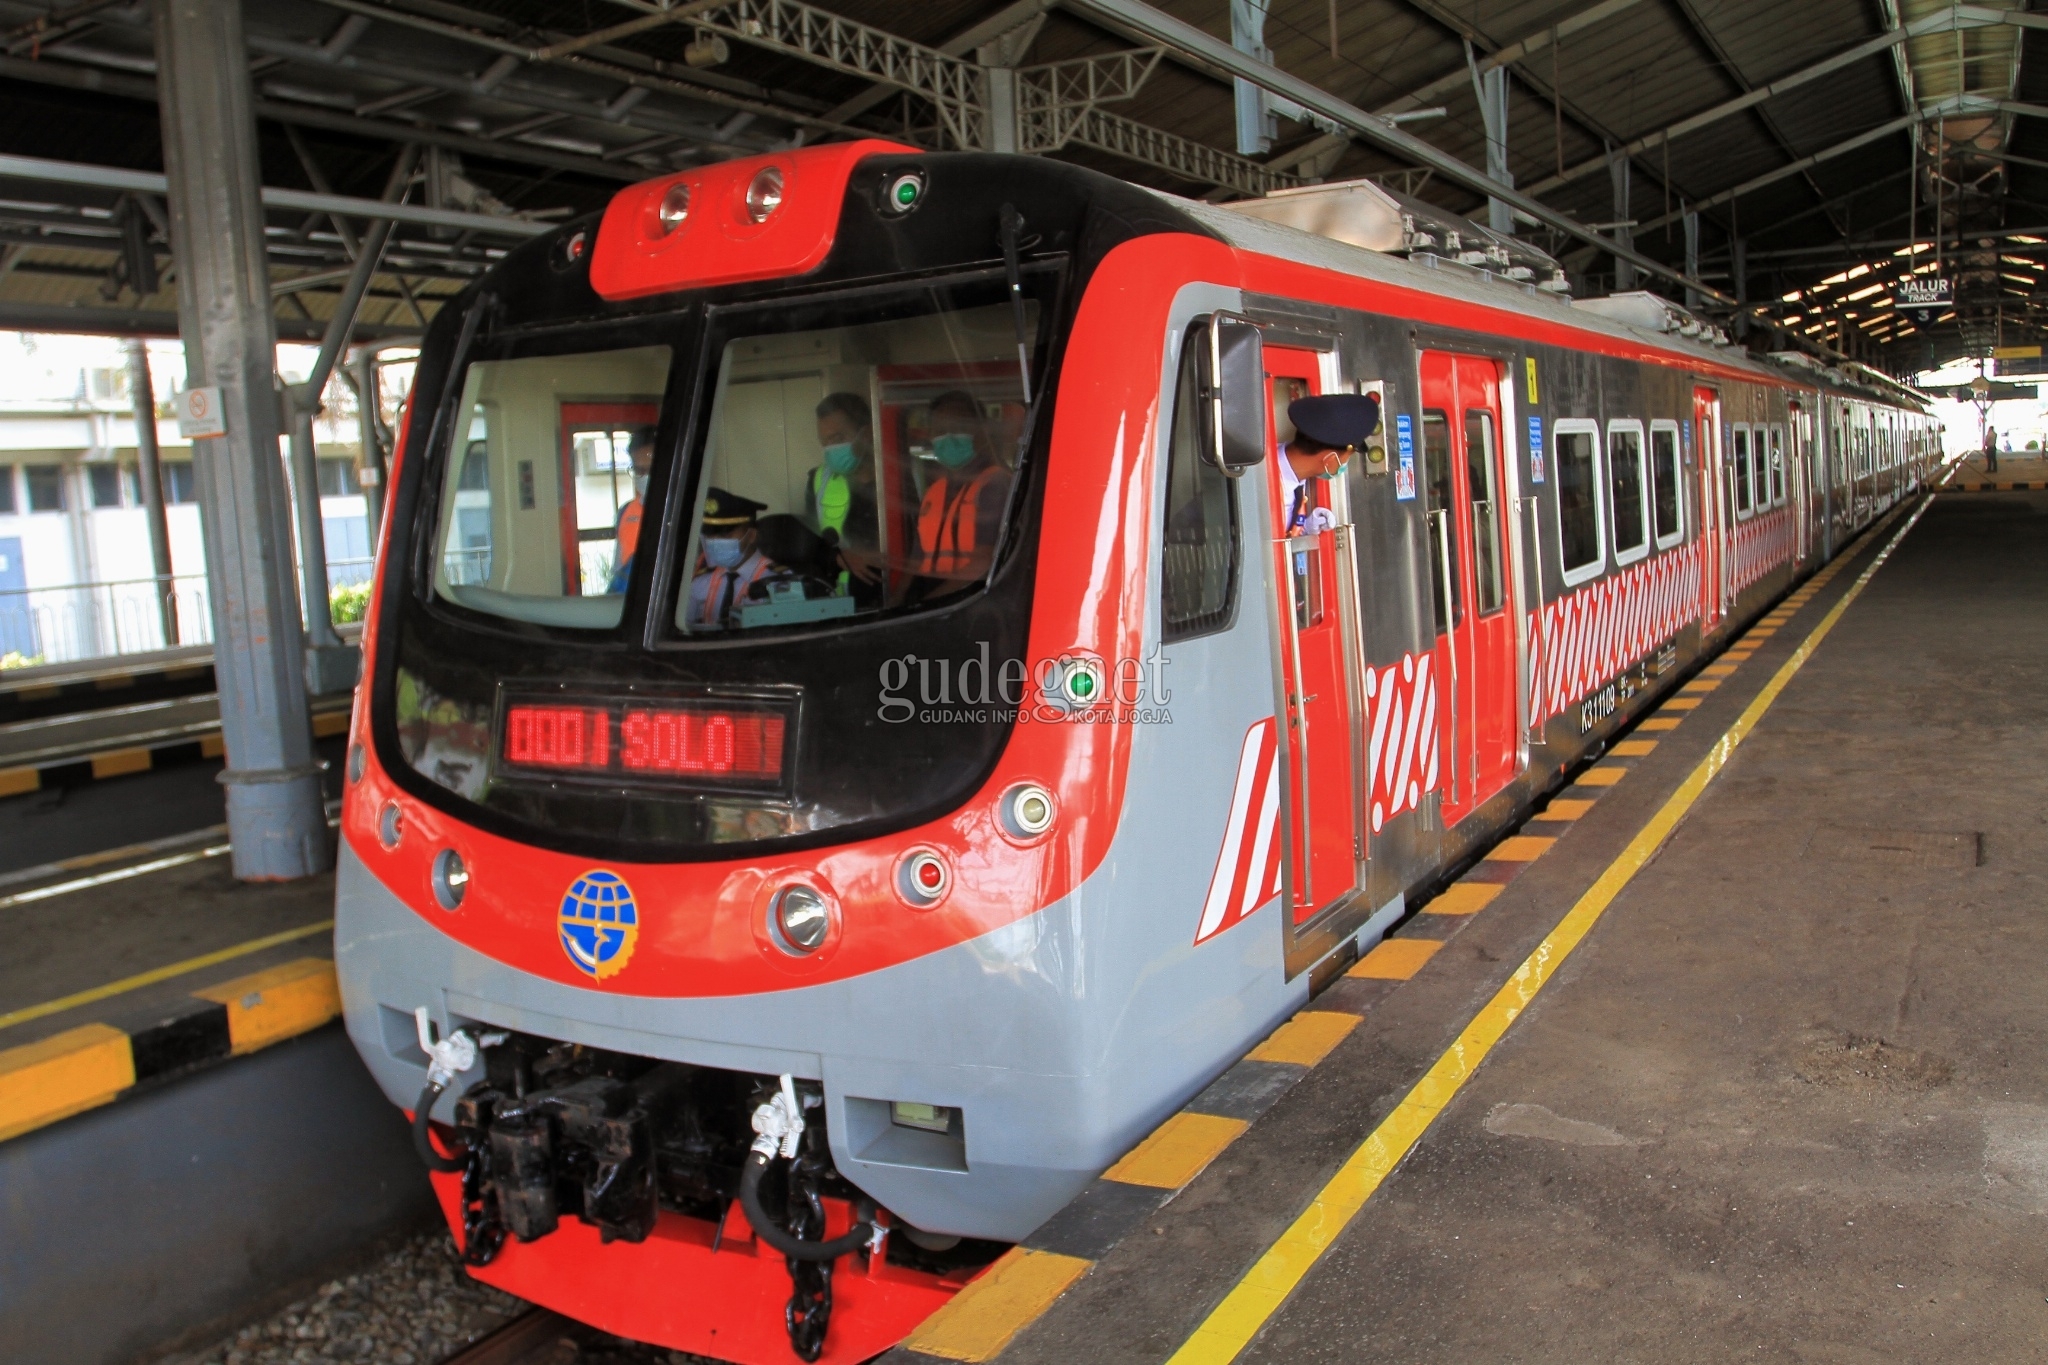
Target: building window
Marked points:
45	487
7	504
1198	584
179	484
338	478
104	482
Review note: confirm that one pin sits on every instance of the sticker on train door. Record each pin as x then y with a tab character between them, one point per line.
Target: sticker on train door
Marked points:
1535	438
1404	475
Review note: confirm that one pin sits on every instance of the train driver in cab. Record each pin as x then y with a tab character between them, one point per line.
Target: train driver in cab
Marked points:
839	496
729	564
639	449
962	511
1327	428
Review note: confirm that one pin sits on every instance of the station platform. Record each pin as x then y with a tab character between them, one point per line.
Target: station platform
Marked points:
1731	1053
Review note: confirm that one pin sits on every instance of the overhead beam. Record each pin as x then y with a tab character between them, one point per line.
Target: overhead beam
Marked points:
1004	21
19	316
1804	163
148	182
1225	61
67	76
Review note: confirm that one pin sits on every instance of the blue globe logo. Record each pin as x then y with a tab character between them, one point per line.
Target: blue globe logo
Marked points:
599	923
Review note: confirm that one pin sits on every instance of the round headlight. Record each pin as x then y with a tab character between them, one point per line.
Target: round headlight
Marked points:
764	194
923	878
675	207
451	878
1027	810
802	920
390	825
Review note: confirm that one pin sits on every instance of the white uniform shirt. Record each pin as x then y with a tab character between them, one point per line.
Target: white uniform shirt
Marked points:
740	578
1318	520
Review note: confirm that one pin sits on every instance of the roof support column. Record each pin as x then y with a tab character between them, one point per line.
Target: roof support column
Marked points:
1617	173
149	473
275	816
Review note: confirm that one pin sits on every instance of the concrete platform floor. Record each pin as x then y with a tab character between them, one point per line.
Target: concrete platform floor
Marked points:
1788	1101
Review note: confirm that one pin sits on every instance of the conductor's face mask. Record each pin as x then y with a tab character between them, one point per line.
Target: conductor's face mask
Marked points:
639	484
722	552
840	457
955	449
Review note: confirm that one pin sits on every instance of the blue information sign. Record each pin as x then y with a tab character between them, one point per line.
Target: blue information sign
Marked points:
1404	471
1535	450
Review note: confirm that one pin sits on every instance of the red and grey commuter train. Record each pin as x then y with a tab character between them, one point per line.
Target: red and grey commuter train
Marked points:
793	910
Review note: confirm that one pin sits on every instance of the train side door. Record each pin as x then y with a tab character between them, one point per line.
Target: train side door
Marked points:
1323	833
1706	417
1477	649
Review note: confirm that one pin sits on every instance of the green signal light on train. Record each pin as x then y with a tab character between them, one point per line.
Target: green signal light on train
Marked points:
905	190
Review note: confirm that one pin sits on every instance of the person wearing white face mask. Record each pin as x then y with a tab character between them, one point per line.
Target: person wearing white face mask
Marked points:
640	449
730	562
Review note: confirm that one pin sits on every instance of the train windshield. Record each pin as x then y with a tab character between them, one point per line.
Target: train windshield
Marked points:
540	501
858	459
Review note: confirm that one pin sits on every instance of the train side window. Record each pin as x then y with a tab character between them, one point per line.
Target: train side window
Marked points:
1443	529
1777	464
1480	464
1666	485
1198	578
1627	492
1581	522
1739	462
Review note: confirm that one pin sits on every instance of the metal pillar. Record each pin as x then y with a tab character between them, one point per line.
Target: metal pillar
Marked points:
1692	258
1491	89
331	666
371	464
1624	269
1738	250
149	473
275	815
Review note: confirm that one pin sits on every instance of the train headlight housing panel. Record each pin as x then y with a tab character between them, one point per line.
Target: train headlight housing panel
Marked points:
451	879
801	918
764	193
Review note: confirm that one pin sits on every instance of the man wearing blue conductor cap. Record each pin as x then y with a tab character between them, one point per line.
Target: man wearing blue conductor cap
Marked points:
1327	428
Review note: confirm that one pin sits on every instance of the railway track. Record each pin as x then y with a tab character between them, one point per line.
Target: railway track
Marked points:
541	1337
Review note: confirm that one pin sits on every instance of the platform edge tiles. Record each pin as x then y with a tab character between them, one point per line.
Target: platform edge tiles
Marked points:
95	1064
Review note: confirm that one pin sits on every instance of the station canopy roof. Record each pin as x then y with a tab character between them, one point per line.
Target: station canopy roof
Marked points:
1813	155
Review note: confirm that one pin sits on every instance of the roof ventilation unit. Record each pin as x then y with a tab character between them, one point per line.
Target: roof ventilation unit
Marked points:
1364	213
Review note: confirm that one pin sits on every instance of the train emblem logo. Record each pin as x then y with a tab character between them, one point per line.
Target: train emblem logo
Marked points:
599	922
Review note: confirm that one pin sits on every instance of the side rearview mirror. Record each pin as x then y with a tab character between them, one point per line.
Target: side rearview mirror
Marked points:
1232	367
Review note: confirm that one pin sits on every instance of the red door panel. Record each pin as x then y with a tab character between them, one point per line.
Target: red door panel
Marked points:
1322	800
1706	419
1477	663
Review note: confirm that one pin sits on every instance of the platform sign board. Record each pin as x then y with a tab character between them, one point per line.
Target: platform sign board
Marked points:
2011	360
1924	293
201	413
1991	393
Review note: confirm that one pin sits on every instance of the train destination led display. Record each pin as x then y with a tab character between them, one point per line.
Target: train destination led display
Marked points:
680	741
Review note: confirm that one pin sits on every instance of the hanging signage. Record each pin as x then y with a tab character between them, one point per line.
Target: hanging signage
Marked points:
201	414
1924	292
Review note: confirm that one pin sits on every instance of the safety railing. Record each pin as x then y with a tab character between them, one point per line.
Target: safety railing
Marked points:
98	620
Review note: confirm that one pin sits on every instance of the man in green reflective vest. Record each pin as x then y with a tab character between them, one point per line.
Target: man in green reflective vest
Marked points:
839	496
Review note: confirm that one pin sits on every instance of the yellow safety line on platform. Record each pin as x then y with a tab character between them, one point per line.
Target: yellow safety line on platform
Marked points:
1233	1323
119	874
151	977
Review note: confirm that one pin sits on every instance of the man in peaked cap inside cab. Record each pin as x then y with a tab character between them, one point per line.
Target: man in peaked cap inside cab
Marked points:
729	561
1327	428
